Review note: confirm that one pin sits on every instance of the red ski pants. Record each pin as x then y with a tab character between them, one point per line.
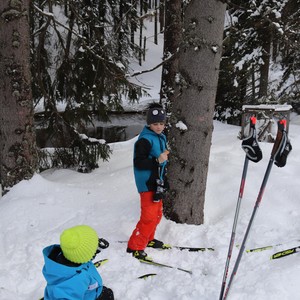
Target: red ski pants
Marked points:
151	214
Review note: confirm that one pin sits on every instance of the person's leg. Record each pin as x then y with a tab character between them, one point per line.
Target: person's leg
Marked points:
151	213
159	214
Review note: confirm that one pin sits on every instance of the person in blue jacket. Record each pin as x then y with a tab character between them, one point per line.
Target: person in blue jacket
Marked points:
69	270
149	161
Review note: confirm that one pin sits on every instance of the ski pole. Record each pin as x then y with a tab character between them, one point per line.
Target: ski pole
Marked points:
279	144
253	153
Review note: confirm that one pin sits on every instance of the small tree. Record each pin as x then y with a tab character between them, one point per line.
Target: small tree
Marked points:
17	139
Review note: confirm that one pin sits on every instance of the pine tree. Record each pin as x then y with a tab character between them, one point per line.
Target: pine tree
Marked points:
257	37
80	58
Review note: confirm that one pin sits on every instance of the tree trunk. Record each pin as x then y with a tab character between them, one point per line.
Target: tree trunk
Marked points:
17	146
265	37
172	39
193	105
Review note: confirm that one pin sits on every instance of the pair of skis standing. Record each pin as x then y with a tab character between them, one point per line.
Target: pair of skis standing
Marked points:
280	151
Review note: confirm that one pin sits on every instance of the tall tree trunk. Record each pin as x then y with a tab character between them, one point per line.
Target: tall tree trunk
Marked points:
193	105
172	40
265	37
17	139
141	33
162	14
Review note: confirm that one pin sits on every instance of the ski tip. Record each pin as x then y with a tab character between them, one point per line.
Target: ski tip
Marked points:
145	276
284	253
100	262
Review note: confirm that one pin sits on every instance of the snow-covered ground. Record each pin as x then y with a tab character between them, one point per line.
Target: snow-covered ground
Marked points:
35	212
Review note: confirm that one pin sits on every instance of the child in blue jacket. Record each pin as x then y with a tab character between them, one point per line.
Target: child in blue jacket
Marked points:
150	160
68	269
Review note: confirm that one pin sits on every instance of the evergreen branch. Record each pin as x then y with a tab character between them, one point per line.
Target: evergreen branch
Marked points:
155	67
78	35
51	16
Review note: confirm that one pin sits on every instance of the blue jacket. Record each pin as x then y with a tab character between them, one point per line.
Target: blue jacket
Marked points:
70	283
147	149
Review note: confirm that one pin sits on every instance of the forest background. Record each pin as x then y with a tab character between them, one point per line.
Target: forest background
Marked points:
81	54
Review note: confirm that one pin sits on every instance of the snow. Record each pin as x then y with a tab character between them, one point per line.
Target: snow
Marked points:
35	212
275	107
181	126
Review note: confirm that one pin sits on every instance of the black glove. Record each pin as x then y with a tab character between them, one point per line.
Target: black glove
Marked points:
160	191
281	157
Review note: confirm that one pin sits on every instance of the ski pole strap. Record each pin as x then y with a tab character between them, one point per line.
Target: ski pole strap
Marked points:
250	144
282	146
161	171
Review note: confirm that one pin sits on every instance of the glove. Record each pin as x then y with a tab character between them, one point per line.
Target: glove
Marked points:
160	191
280	158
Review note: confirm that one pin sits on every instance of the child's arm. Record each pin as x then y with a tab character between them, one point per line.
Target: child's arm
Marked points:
141	159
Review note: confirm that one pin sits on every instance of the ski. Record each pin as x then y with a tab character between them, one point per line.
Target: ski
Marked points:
157	264
145	276
100	262
192	249
188	248
259	249
286	252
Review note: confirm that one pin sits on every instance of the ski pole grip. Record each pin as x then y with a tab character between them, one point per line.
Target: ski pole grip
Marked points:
281	129
252	121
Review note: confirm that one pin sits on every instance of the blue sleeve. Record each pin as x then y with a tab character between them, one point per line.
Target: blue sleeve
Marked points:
85	285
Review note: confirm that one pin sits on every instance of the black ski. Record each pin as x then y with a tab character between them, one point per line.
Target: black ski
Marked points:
286	252
192	249
157	264
145	276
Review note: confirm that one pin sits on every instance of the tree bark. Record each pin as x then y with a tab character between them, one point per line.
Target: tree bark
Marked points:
172	40
193	105
265	34
18	156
